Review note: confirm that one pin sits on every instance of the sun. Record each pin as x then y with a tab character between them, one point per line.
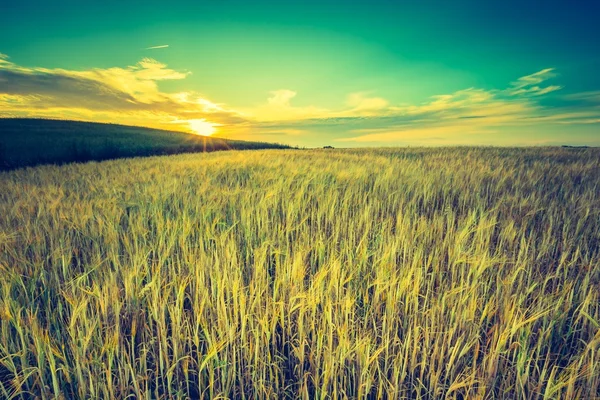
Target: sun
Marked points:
202	127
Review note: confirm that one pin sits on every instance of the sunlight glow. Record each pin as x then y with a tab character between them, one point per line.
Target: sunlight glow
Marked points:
202	127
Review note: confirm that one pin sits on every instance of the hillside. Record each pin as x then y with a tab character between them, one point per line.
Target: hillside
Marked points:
28	142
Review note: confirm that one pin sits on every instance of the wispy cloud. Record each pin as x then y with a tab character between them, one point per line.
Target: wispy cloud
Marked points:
530	84
162	46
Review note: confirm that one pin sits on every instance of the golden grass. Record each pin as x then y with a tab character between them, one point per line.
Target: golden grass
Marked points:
419	273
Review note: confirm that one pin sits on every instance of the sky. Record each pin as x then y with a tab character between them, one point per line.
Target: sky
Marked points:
312	73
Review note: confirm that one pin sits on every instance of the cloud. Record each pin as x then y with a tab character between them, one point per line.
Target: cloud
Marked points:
471	111
135	95
162	46
590	97
535	78
114	94
281	98
364	105
279	107
529	84
412	133
74	91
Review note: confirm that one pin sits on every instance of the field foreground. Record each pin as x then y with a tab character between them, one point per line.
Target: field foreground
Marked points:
420	273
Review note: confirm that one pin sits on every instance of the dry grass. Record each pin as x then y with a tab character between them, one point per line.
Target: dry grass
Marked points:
456	273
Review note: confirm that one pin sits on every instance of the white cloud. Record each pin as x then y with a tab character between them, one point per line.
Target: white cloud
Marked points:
281	98
280	108
362	104
162	46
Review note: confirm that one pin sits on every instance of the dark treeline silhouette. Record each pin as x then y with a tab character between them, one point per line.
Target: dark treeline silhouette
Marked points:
29	142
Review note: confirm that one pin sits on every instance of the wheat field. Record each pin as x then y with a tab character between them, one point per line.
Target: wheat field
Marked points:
386	273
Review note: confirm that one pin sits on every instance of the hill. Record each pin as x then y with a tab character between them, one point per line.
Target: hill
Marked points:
28	142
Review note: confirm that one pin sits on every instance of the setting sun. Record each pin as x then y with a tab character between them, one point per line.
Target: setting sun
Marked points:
202	127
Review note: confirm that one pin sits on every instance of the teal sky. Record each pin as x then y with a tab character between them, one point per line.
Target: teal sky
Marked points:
336	72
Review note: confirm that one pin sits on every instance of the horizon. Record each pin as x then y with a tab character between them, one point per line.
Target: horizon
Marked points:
392	146
314	73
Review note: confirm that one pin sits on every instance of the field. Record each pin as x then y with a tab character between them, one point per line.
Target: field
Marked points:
29	142
386	273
